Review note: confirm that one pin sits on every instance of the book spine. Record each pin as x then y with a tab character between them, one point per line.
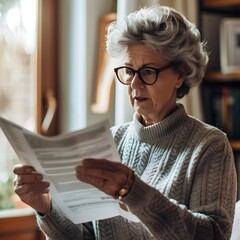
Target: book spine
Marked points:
237	165
235	113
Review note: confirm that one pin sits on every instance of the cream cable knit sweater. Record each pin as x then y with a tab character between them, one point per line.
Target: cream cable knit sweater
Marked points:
185	186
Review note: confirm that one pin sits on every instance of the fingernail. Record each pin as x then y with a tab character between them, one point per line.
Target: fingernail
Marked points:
28	170
39	177
79	168
85	160
80	177
46	184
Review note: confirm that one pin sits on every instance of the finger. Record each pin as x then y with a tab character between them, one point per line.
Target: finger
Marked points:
107	181
30	178
23	169
115	176
107	186
103	163
39	188
83	171
94	176
95	181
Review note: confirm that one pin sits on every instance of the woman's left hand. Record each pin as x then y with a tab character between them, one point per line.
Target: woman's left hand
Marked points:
108	176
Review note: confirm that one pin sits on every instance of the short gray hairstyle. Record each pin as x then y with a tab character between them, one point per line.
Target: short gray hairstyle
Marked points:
165	31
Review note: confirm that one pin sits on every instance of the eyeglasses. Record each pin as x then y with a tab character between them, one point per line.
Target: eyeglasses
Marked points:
147	75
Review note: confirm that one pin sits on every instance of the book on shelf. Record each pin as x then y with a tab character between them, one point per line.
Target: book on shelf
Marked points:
237	164
221	107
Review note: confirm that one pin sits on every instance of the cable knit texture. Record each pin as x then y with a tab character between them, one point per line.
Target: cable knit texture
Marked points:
185	185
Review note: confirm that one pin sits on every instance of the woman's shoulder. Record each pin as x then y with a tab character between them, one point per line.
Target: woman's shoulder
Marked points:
209	131
210	142
120	129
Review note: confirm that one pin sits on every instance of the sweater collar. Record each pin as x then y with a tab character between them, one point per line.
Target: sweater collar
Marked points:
162	129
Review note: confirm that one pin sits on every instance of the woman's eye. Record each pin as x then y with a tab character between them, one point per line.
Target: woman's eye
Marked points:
129	72
147	71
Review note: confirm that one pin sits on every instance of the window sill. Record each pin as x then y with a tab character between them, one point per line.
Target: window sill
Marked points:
16	212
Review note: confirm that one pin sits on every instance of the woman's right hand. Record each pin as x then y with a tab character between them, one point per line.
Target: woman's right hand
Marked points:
32	190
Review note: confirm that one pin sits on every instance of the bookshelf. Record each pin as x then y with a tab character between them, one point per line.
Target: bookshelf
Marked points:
220	91
235	145
219	4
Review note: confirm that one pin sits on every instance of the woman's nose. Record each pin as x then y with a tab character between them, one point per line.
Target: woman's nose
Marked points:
136	82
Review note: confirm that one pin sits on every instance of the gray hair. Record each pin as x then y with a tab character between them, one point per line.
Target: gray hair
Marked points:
165	31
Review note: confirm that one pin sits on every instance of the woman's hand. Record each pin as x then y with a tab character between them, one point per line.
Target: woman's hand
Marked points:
113	178
32	190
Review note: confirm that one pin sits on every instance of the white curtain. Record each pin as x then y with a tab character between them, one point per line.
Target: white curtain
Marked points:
192	102
123	109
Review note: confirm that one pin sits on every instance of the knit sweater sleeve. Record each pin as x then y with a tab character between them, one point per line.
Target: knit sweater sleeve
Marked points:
210	209
56	226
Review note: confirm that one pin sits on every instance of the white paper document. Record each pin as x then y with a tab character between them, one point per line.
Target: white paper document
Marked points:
56	158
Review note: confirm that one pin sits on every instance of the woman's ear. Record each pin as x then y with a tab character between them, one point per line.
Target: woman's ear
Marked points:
179	82
182	71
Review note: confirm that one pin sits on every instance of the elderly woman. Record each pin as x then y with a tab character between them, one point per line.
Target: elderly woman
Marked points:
177	173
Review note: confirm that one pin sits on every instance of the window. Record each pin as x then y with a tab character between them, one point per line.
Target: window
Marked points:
18	77
28	69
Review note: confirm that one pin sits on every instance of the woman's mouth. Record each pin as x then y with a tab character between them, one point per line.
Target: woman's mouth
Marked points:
140	99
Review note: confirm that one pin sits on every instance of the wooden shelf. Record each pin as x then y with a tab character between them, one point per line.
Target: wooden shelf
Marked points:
235	145
215	81
218	76
231	7
220	3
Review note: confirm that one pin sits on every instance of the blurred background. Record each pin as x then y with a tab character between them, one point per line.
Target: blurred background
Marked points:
56	77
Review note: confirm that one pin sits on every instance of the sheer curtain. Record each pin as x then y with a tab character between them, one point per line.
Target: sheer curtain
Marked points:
123	109
192	102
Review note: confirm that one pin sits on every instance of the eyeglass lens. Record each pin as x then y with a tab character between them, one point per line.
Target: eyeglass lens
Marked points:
147	75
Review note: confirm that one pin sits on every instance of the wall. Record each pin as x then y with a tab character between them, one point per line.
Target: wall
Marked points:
78	56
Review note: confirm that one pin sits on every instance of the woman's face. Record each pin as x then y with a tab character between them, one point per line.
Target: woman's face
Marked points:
153	102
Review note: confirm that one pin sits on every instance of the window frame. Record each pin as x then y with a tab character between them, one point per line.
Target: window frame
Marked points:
47	65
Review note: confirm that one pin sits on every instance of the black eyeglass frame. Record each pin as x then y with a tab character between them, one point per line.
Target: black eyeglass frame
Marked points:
157	71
